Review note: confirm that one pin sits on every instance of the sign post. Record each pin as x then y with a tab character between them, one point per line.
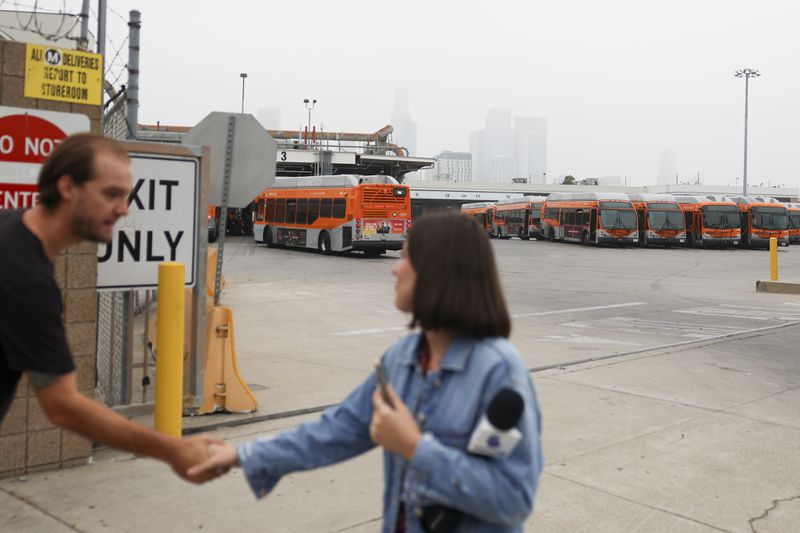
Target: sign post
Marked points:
239	171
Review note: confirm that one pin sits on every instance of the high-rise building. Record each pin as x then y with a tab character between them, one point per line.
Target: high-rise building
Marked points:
405	129
503	168
269	117
500	153
477	148
499	145
453	166
530	135
667	167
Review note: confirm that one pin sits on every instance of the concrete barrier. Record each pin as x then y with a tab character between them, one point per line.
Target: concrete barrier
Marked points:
778	286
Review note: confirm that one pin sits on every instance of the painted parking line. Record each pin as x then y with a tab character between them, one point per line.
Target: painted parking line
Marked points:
584	339
370	331
577	310
743	312
669	328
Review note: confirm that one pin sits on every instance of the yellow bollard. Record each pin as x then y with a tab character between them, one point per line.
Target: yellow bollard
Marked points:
773	258
169	349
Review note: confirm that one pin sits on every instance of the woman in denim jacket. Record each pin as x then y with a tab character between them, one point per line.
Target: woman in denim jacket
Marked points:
441	382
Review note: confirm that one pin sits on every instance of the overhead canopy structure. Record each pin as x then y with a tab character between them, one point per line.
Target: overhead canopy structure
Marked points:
323	153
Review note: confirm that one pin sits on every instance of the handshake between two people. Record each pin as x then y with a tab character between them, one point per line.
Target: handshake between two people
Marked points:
392	427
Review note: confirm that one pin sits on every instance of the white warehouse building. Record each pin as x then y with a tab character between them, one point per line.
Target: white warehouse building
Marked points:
453	166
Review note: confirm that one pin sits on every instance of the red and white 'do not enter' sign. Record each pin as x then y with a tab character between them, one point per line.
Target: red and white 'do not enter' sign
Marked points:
27	137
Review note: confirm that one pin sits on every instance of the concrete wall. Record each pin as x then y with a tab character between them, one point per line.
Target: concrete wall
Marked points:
28	441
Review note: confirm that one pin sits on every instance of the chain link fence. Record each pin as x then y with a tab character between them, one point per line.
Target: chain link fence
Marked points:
114	316
115	121
111	328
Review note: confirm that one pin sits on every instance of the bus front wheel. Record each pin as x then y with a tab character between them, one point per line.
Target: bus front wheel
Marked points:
324	243
551	236
522	235
585	237
267	238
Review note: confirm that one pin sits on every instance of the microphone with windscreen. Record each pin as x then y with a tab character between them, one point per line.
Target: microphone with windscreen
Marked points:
496	434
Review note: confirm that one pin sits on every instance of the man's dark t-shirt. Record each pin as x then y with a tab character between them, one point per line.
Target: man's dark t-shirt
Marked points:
32	336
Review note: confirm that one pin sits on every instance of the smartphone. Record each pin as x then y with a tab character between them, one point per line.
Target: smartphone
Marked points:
379	373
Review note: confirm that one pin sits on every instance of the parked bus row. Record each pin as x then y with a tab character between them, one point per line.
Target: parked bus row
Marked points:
643	219
342	213
373	214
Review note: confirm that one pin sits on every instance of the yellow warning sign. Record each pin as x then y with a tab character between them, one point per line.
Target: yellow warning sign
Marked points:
63	75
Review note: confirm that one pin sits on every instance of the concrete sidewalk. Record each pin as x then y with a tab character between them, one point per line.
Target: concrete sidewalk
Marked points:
698	439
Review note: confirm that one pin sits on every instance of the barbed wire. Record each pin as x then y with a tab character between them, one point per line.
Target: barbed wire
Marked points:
118	14
109	64
116	54
38	26
29	19
18	5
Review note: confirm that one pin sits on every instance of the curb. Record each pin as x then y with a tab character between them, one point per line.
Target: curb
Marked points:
778	287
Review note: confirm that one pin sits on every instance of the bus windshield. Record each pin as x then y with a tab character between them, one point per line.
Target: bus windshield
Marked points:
721	216
794	220
666	220
770	217
618	219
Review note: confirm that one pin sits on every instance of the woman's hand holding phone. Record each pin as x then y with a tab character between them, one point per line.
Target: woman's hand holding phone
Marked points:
381	377
393	425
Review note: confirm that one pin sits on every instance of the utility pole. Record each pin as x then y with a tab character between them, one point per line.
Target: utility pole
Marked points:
243	75
746	73
132	93
83	43
309	105
101	49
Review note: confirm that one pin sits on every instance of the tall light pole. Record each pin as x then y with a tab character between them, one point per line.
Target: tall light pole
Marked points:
746	73
243	75
309	106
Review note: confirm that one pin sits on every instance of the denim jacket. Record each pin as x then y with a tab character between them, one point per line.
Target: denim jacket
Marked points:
495	494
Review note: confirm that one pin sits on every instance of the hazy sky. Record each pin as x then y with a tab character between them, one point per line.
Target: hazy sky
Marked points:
618	80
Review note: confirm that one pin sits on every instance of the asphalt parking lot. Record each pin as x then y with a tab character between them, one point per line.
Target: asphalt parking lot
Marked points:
569	303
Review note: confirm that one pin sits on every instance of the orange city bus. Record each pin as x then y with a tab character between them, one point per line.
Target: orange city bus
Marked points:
710	221
590	217
794	222
334	213
660	219
762	218
535	222
483	212
520	217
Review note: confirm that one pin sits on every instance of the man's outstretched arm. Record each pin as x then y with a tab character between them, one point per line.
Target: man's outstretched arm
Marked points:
66	407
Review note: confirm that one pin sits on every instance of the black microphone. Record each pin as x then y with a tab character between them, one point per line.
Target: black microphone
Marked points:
496	434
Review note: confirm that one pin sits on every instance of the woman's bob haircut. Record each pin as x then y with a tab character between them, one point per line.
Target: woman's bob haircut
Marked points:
457	287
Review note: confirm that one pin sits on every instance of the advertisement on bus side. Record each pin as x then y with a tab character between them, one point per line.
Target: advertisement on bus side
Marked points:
382	227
